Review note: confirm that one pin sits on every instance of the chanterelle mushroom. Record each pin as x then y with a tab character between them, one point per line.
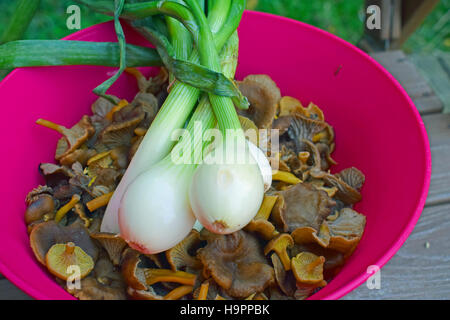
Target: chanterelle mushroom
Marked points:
46	234
61	257
263	95
183	254
233	260
112	243
279	245
43	204
73	137
301	206
346	230
308	268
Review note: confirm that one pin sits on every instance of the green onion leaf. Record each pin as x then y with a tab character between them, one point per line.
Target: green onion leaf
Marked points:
101	89
27	53
20	20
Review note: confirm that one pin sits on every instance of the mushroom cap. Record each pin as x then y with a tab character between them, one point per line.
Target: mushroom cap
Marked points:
285	279
91	289
352	177
60	257
41	205
280	244
44	235
133	276
112	243
233	261
263	95
184	253
345	193
301	205
308	268
74	137
346	231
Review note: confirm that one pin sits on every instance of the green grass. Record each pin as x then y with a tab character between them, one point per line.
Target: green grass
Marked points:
341	17
345	18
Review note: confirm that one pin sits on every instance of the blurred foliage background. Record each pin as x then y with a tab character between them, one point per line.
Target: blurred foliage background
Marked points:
342	17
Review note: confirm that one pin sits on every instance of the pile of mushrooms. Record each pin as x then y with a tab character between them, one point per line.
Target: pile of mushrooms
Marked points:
300	238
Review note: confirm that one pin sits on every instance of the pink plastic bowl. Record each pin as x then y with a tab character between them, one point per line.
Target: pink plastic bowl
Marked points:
378	130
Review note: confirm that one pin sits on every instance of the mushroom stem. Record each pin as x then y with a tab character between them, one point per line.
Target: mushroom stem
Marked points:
70	247
266	207
99	202
67	207
310	267
51	125
179	292
122	103
153	276
98	156
135	73
286	177
140	132
203	291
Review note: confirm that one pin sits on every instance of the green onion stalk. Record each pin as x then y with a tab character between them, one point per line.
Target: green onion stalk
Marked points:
223	20
155	213
227	188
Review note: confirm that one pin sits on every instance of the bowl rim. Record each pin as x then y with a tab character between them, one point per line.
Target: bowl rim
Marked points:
356	281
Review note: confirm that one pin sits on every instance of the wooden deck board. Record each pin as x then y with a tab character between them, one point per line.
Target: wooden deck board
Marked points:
400	66
9	291
418	270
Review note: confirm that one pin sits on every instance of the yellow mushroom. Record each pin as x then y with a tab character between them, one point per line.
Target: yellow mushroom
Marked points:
308	268
279	245
61	257
67	207
153	276
286	177
179	292
99	202
203	293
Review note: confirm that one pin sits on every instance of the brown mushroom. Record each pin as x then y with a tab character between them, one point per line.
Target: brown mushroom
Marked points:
183	254
345	193
153	84
46	234
304	235
352	177
346	230
233	260
91	289
73	137
133	276
41	205
263	95
296	128
279	245
301	205
61	257
121	130
285	279
112	243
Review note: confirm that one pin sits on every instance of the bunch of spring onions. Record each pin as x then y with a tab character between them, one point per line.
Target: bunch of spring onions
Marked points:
158	199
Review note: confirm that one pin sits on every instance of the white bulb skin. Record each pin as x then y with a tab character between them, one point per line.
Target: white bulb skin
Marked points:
154	214
263	164
226	197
